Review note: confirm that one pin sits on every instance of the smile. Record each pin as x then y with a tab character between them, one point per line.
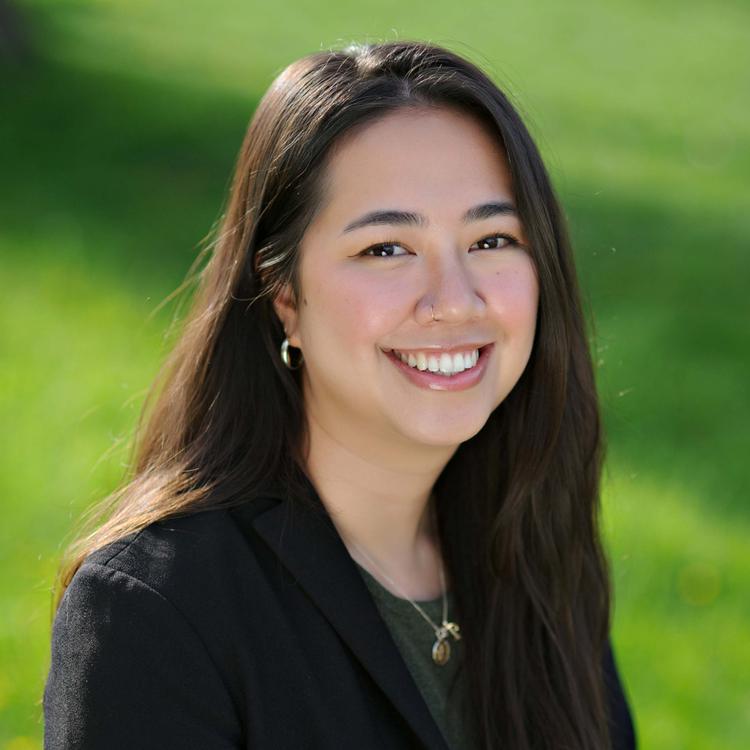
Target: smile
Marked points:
445	364
444	372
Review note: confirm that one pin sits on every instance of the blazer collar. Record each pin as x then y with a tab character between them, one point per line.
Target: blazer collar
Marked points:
306	540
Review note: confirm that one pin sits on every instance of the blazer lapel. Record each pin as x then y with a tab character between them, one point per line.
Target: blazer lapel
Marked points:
306	540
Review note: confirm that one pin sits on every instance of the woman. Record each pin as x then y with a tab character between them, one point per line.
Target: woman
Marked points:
364	507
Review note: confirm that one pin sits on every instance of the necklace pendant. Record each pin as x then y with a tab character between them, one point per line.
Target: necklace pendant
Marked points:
441	649
453	629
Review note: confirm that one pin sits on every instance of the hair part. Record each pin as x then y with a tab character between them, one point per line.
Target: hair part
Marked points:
529	573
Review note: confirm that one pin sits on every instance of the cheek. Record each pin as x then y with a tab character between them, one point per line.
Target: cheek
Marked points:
356	309
513	295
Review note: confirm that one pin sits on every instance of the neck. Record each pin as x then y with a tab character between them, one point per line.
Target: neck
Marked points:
379	497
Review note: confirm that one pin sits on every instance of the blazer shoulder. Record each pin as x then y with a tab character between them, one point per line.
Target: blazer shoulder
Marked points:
136	657
191	551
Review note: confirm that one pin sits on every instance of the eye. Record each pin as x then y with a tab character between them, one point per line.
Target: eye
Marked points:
495	241
492	242
382	250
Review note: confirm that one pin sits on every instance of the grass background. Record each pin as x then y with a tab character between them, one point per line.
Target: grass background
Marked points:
118	132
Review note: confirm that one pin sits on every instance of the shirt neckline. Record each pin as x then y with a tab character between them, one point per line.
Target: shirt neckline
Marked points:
427	603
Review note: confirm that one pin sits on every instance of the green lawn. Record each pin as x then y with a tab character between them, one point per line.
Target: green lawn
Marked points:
117	141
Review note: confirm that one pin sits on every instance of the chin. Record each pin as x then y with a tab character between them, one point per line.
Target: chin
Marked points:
439	435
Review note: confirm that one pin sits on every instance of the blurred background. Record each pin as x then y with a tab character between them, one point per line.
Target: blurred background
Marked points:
119	125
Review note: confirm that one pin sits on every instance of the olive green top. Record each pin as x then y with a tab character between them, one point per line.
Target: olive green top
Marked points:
414	637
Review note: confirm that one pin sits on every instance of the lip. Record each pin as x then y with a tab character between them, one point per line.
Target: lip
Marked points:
433	382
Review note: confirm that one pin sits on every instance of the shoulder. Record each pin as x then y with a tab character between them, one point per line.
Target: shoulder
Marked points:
193	578
181	555
160	552
202	569
147	625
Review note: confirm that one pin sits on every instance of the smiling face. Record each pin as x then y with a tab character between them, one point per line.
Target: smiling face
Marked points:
417	208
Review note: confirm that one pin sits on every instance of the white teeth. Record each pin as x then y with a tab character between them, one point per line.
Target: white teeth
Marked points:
445	364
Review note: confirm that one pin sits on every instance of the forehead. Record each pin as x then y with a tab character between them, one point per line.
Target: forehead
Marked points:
427	159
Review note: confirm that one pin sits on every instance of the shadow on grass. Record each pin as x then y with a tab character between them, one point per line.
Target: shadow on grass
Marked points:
136	173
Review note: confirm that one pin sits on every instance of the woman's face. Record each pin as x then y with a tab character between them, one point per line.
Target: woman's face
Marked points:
442	191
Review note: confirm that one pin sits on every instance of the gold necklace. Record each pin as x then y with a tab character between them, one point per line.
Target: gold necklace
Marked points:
441	649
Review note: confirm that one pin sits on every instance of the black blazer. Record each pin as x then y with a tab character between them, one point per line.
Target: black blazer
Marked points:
245	628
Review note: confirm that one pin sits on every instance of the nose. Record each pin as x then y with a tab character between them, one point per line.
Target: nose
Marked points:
451	291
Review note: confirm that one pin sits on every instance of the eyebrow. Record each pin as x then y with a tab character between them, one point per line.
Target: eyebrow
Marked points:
409	218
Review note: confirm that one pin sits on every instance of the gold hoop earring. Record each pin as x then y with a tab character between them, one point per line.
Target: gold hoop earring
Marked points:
285	358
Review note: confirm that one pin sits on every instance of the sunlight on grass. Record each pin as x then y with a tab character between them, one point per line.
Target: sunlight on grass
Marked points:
680	578
82	354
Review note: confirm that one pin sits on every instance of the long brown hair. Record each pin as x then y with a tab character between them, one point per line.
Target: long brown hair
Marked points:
531	580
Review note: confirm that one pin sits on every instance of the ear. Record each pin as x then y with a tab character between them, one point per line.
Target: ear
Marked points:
286	308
